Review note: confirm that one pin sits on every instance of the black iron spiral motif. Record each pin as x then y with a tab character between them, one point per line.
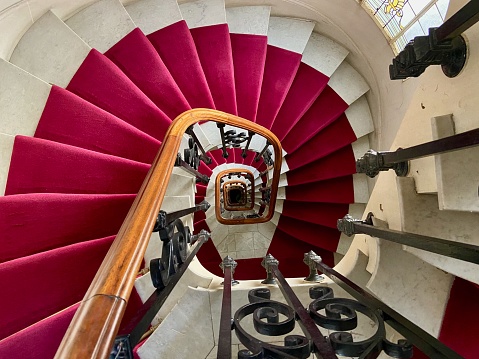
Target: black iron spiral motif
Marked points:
175	238
266	321
341	315
192	154
234	139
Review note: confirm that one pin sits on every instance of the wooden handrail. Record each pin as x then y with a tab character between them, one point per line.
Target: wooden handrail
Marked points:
93	328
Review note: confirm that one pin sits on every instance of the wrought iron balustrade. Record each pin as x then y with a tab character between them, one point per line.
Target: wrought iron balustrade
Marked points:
233	138
348	321
191	163
194	141
165	273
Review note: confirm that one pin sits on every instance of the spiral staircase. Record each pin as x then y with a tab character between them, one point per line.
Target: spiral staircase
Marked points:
87	96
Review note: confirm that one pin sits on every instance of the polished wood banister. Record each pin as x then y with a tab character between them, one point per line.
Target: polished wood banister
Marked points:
93	328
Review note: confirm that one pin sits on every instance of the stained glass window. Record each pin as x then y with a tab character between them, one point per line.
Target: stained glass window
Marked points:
402	20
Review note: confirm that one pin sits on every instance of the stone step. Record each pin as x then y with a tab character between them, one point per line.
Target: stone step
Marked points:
421	215
50	50
153	15
203	13
457	172
289	34
248	20
102	24
22	100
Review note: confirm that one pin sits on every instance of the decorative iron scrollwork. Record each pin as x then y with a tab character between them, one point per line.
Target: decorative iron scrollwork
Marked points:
121	349
234	139
341	314
337	314
261	307
268	158
192	154
175	238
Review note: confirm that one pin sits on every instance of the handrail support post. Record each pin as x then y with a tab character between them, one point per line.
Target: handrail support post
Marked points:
245	149
463	251
263	151
374	162
310	259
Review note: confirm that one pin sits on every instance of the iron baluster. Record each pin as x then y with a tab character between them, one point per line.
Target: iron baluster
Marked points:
199	176
248	142
373	162
310	329
263	151
268	158
463	251
228	266
221	127
204	157
425	342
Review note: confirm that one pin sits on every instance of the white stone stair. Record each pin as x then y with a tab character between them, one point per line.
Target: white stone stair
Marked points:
421	215
289	34
102	24
457	172
203	13
50	50
153	15
252	20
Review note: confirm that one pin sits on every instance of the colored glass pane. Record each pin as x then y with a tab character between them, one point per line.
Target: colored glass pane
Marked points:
402	20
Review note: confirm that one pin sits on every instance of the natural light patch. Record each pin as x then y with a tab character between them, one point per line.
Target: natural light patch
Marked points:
402	20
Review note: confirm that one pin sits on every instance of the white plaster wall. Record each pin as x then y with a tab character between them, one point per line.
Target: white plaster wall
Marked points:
438	95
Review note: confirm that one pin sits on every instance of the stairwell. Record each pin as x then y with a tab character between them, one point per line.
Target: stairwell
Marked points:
87	93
